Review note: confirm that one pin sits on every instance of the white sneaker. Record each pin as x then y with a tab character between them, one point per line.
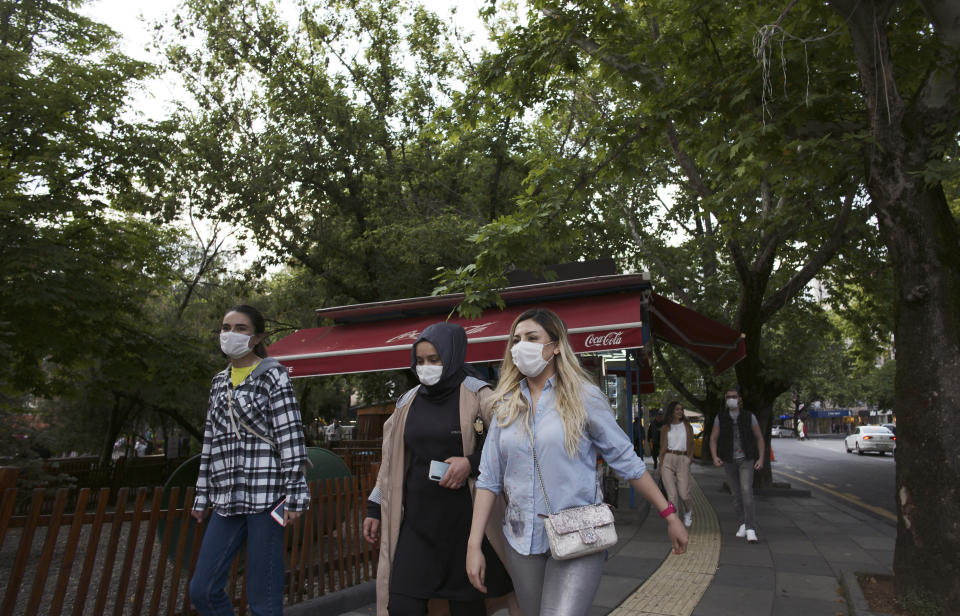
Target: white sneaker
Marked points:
688	519
751	536
742	532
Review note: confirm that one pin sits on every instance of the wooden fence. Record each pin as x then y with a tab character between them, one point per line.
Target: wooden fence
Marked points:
137	556
361	457
115	474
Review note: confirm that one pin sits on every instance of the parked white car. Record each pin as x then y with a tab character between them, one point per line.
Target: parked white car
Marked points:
870	438
781	431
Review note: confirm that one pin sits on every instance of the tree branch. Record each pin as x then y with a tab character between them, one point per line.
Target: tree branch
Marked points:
674	379
664	270
940	88
686	163
739	261
826	252
175	415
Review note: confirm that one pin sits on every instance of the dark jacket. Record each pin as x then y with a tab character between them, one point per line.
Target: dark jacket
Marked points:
653	432
747	439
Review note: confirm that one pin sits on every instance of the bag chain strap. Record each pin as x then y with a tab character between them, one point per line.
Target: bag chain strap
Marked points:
539	476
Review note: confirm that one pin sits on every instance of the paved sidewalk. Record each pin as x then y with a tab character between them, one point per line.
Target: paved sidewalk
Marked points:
806	545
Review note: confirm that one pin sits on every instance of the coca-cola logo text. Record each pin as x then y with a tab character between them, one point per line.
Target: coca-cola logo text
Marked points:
603	340
412	335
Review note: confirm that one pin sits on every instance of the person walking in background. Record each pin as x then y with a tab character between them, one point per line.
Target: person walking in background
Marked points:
421	506
638	433
675	460
550	424
653	437
252	462
334	434
737	445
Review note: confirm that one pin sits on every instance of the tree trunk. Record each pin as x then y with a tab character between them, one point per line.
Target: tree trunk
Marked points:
924	244
924	248
759	393
114	425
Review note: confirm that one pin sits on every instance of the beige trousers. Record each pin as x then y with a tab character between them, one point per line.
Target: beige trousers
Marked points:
675	473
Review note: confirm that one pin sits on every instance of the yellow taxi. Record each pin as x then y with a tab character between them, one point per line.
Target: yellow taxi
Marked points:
697	438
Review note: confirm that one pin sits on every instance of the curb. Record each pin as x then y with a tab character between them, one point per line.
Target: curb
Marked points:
337	602
856	600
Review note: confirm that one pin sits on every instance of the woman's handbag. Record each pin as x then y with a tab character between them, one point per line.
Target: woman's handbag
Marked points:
577	531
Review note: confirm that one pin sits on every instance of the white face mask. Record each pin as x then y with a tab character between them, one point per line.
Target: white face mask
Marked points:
429	374
528	357
234	345
732	403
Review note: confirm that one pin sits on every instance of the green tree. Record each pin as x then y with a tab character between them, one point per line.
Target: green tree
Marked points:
63	148
907	58
326	140
82	271
777	137
765	191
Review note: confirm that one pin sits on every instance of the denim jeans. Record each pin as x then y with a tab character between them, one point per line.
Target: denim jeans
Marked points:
264	567
740	480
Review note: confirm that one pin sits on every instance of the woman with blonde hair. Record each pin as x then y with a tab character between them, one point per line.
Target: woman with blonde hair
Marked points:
676	457
546	406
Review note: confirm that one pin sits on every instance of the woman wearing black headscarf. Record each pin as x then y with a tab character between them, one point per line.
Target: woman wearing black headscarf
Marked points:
422	523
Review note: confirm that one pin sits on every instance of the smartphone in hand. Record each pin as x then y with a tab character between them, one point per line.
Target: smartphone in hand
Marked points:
277	513
437	470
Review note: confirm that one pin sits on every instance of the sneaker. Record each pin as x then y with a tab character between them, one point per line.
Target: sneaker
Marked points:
688	518
742	532
751	536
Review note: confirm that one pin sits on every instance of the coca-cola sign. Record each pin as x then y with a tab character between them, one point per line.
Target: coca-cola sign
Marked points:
412	335
477	329
603	340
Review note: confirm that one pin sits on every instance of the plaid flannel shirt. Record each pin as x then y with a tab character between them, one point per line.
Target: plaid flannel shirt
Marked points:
246	475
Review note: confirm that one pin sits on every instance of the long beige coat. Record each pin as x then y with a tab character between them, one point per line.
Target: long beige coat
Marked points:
393	469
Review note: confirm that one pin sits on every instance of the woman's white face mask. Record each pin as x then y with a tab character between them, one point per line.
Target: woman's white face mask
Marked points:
234	345
429	374
528	358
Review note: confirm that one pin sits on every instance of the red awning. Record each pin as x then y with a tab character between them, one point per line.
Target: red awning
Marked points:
598	323
711	342
602	314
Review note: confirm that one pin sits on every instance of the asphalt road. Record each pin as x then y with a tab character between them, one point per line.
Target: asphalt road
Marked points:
867	481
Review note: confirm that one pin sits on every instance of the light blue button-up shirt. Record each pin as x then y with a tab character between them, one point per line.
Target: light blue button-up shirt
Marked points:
506	464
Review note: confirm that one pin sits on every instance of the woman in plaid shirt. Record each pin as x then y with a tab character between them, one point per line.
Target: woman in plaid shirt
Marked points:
252	461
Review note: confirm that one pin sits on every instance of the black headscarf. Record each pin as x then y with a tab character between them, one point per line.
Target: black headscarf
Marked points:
451	343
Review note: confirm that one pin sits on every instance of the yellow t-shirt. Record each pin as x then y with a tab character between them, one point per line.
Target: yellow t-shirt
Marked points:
238	374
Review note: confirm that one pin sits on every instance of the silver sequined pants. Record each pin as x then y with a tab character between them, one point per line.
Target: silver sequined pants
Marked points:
548	587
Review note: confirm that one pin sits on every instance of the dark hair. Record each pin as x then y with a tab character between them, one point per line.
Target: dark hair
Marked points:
259	325
668	410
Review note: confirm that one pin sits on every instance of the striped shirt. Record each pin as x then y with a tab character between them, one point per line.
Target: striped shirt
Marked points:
240	472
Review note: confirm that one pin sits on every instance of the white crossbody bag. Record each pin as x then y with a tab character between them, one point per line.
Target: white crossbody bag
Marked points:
577	531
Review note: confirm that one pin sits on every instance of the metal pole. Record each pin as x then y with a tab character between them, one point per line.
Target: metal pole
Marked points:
629	371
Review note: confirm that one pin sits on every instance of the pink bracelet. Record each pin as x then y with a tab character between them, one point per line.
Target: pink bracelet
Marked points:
669	509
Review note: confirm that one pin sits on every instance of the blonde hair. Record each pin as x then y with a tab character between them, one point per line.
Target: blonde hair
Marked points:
510	404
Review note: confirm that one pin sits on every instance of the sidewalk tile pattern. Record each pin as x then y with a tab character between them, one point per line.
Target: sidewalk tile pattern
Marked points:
676	587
